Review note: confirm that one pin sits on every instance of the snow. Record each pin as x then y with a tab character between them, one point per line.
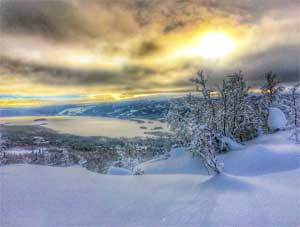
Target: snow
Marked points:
118	171
21	150
233	145
259	187
179	162
276	119
75	110
18	150
264	155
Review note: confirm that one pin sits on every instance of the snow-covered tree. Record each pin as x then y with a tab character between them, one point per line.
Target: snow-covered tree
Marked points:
128	156
242	118
194	121
203	145
204	122
236	117
271	88
224	92
261	114
178	119
200	82
295	105
237	93
295	112
270	92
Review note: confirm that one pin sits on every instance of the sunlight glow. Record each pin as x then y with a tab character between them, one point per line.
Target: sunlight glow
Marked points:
213	44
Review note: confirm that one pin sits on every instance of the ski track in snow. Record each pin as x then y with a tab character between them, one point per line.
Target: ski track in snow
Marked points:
260	186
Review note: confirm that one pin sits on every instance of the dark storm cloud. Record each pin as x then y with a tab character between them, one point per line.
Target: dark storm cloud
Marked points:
173	26
76	18
57	20
146	48
247	11
64	20
52	76
283	60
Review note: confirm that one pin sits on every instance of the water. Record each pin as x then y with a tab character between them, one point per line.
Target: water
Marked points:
90	126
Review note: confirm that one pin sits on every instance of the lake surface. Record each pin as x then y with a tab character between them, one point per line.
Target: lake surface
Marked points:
90	126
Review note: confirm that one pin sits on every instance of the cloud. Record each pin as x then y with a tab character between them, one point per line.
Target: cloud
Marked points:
146	48
41	97
173	26
284	60
64	20
51	19
55	75
127	46
77	19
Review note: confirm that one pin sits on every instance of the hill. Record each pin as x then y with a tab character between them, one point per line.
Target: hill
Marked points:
259	187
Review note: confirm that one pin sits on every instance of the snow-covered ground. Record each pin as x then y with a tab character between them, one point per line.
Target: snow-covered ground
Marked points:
21	150
18	150
260	186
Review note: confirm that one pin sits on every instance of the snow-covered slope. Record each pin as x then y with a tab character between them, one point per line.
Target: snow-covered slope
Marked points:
118	171
179	162
141	108
259	187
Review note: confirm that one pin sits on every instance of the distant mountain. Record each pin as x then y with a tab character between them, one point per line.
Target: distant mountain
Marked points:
143	108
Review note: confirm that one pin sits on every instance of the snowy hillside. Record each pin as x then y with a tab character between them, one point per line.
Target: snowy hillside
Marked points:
144	108
179	162
259	187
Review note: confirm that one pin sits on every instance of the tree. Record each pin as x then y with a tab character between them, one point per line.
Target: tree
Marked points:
201	85
295	107
270	91
177	118
202	122
295	112
203	145
194	121
236	113
270	88
243	119
224	95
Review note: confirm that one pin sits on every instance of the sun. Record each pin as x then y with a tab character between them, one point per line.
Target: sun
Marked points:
212	44
215	44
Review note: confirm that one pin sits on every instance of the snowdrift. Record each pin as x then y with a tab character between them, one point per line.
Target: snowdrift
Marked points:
276	119
233	145
118	171
260	160
259	187
179	162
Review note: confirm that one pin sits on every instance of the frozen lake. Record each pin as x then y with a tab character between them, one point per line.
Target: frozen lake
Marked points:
90	126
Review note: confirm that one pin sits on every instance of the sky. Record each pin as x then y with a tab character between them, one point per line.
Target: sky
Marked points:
78	51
